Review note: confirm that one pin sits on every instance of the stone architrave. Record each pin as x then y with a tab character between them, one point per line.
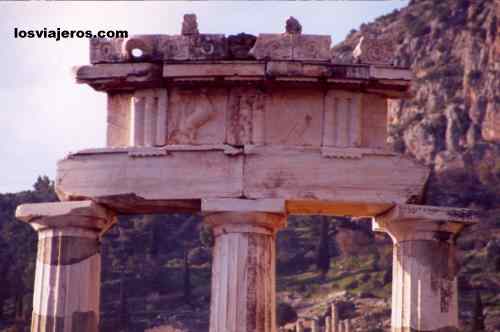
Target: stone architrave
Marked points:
68	266
243	271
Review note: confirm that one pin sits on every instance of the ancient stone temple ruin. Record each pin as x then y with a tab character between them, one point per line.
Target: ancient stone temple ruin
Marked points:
244	130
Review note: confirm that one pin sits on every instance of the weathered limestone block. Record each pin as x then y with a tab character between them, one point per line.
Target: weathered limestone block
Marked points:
118	119
246	117
123	76
229	70
296	69
138	118
149	117
293	117
243	271
292	47
373	122
141	48
308	180
194	47
343	124
240	45
301	173
293	26
311	47
189	25
152	174
197	116
103	50
67	278
371	50
424	291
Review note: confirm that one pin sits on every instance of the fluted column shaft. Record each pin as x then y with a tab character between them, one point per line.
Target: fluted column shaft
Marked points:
244	272
424	280
67	281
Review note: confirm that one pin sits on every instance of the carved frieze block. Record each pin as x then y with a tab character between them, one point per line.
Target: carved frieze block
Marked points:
197	116
292	47
273	46
193	47
158	48
103	50
311	47
293	117
245	119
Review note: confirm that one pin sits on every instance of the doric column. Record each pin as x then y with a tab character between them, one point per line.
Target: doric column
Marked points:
243	270
314	325
68	267
335	318
424	281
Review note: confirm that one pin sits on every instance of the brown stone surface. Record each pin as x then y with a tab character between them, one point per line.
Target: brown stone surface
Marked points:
293	26
189	25
84	322
292	173
240	45
41	323
66	250
196	116
292	47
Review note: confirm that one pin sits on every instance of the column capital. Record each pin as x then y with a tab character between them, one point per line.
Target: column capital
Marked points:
245	222
67	215
406	222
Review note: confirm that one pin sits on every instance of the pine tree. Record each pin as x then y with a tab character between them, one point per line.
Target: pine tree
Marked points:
323	253
478	316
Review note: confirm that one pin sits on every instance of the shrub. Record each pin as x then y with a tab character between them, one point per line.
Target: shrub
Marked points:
285	314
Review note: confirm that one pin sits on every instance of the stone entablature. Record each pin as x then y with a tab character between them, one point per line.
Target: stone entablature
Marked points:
281	89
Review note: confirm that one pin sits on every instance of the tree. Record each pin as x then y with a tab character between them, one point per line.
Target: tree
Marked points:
323	253
4	293
44	189
206	236
156	238
478	316
187	276
285	314
124	314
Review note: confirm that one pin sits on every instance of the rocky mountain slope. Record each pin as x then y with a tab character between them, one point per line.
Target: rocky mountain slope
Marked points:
453	122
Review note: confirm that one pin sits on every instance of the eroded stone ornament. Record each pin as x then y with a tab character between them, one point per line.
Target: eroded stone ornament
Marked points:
293	26
374	51
189	25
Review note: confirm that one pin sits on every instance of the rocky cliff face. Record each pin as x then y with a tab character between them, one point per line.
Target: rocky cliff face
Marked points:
453	122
